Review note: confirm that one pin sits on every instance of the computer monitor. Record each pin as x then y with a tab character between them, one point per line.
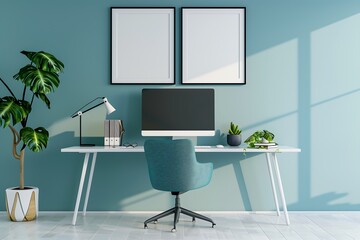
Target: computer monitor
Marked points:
178	112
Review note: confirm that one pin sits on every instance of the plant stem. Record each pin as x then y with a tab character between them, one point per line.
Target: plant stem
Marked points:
20	156
32	99
8	88
22	152
16	141
24	122
23	96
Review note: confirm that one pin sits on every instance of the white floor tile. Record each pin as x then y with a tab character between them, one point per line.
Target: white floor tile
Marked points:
234	226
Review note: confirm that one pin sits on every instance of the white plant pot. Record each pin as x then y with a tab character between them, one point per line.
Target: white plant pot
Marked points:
22	205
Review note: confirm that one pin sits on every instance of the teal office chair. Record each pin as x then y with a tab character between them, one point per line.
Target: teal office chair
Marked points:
173	167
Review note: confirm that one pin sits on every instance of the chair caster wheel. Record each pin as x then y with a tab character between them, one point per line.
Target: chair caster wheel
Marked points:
145	226
155	222
213	225
173	230
193	220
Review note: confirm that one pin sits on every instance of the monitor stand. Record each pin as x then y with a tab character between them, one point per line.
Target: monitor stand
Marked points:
193	139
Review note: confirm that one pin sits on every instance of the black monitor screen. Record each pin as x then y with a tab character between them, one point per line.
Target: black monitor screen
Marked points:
178	110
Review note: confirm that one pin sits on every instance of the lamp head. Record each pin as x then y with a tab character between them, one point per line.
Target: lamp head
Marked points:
109	107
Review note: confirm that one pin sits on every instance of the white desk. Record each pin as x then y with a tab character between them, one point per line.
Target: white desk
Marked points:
271	158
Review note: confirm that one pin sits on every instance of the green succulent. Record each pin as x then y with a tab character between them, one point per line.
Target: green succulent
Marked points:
39	78
234	129
259	137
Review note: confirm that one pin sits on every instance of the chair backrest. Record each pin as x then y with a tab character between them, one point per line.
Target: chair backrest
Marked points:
173	166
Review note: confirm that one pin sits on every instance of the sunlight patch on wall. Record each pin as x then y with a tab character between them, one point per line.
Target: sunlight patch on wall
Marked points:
92	124
334	134
271	88
270	94
62	126
335	115
226	74
335	59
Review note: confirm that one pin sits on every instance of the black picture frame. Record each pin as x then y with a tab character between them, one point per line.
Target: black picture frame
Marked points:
142	45
205	32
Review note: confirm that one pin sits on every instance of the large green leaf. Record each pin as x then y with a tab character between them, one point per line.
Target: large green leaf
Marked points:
269	136
44	98
36	139
45	61
39	81
12	109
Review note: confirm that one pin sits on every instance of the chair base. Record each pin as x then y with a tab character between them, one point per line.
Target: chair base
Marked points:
176	211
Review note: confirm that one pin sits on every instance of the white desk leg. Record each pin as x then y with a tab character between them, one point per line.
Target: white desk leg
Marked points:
268	157
277	172
89	182
81	184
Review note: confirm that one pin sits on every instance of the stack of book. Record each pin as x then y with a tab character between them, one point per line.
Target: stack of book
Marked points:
269	145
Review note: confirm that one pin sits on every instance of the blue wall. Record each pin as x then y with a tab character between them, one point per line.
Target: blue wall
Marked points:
303	75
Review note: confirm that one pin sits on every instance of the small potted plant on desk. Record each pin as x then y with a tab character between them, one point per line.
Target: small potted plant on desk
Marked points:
39	77
234	135
261	139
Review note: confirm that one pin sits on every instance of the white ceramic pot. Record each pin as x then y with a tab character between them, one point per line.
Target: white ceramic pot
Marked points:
22	205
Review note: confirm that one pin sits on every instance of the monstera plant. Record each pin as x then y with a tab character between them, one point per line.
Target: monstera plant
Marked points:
39	78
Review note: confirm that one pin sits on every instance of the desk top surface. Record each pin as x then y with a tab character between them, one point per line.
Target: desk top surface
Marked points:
279	149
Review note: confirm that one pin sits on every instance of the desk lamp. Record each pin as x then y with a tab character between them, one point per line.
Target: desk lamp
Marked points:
79	113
